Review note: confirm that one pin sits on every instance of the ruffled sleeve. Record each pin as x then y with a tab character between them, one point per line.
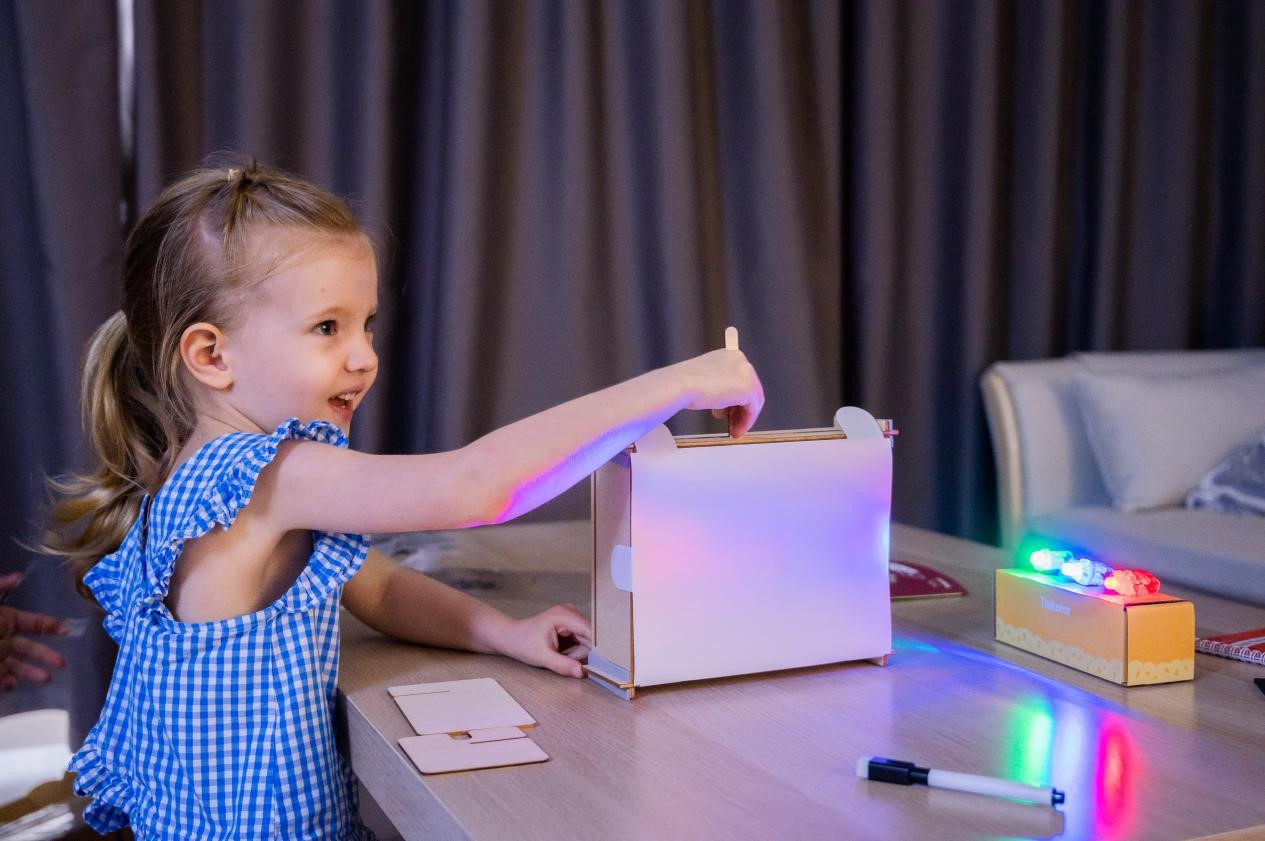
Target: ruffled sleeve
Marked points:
105	580
223	485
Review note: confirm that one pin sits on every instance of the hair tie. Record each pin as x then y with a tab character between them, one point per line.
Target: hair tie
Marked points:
232	173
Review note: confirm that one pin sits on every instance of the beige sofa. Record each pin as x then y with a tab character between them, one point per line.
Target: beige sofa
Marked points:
1053	492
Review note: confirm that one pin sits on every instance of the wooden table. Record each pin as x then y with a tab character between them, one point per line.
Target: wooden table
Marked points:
773	756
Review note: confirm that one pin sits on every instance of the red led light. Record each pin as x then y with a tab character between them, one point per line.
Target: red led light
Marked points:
1132	582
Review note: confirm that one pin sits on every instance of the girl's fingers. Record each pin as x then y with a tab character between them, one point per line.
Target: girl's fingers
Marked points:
32	650
9	581
563	640
578	652
562	627
562	664
570	621
583	635
742	418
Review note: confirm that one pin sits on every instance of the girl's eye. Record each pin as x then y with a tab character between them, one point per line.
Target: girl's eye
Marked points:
326	328
369	323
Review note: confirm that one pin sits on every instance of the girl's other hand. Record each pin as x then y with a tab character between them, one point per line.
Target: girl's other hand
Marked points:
725	382
557	639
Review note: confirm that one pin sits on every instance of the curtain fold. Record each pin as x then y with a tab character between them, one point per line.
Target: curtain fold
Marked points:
1027	180
60	246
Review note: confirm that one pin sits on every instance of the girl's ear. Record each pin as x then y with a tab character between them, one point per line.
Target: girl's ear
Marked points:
202	351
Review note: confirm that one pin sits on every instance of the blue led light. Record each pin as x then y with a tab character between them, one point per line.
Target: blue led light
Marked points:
1085	572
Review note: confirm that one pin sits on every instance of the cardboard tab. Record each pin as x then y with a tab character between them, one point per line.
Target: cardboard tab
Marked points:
857	423
655	442
621	568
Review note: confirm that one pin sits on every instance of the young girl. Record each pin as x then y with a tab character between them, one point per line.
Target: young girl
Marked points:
226	520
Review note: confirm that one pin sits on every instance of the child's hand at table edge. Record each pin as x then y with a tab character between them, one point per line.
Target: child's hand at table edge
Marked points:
725	382
557	639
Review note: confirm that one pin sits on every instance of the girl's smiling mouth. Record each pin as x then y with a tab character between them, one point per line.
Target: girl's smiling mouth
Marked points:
344	404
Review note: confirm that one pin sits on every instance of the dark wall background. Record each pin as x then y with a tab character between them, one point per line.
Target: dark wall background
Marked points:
884	197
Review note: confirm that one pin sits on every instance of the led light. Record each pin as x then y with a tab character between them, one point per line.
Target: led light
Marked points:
1086	572
1132	582
1049	560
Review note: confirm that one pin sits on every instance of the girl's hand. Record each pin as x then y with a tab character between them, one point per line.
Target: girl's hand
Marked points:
557	639
725	382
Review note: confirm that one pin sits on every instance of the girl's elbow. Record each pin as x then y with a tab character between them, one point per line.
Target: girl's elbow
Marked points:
487	499
501	509
485	509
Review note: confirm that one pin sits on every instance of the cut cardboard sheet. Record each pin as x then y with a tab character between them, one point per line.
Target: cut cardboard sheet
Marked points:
463	725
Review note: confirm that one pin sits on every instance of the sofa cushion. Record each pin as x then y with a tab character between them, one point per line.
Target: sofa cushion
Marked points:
1205	550
1236	484
1155	436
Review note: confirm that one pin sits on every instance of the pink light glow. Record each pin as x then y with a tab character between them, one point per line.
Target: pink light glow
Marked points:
1114	781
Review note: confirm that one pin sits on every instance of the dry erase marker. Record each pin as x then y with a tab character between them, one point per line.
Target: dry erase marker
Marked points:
907	773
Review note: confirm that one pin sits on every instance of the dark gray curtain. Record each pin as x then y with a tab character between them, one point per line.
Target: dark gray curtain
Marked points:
60	244
1025	180
884	197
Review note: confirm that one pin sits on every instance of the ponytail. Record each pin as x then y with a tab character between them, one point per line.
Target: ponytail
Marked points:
130	443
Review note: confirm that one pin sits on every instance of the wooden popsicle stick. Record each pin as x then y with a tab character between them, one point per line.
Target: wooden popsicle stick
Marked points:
731	343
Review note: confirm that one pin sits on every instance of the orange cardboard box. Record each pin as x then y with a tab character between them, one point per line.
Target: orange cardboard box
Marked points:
1130	640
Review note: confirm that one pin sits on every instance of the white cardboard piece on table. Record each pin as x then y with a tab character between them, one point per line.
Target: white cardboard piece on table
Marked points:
762	556
463	725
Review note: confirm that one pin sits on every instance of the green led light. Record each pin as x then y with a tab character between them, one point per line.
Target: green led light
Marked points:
1050	560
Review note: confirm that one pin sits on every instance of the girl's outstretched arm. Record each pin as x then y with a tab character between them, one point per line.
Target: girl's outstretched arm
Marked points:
507	472
411	606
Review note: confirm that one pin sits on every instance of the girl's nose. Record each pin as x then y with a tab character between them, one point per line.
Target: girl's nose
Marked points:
362	356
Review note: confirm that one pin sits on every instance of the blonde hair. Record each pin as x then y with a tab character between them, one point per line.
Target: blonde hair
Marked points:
188	260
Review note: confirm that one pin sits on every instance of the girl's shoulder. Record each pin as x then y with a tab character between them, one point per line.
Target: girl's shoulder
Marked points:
245	453
218	478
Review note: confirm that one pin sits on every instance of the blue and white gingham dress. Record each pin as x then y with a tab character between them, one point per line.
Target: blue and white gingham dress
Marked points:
220	730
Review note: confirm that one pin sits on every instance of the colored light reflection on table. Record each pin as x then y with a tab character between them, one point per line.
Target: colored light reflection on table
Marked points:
1031	726
1113	781
1087	752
